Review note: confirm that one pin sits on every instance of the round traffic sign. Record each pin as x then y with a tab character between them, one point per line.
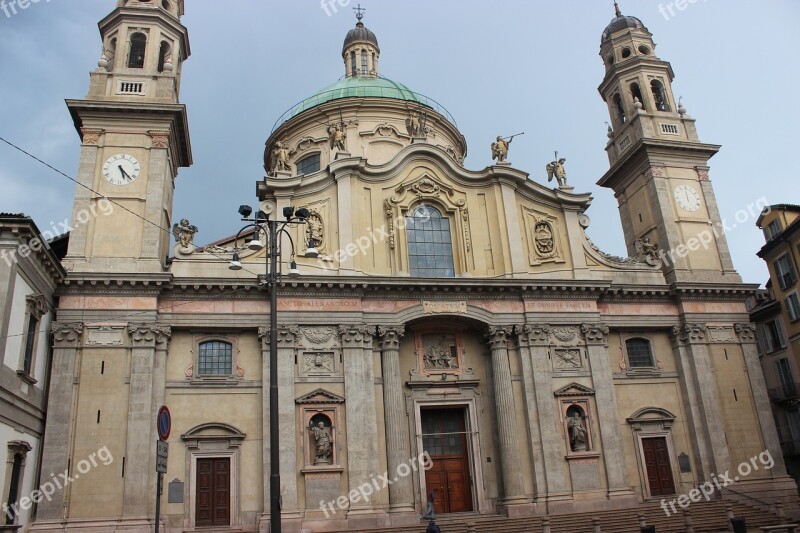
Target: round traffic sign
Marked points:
164	423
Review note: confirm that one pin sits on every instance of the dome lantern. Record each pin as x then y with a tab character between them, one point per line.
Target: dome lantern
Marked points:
360	50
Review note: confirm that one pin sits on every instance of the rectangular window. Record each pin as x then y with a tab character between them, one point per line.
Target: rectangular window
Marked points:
773	336
784	269
772	229
640	353
785	377
13	490
216	358
793	306
30	344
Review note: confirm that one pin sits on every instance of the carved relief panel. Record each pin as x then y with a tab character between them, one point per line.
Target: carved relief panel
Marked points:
566	349
439	351
543	233
319	354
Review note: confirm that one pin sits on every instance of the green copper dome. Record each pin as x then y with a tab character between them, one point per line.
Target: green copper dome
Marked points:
358	86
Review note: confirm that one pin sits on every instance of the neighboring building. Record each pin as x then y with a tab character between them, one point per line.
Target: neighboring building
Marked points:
778	318
463	313
30	272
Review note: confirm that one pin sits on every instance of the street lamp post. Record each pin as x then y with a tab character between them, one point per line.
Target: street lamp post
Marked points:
274	228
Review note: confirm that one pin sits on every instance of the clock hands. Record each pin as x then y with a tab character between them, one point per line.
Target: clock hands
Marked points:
124	174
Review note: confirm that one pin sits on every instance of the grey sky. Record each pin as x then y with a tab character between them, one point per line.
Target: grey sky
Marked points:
499	67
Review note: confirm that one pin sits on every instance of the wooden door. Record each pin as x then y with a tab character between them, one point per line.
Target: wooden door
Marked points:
658	466
445	440
213	492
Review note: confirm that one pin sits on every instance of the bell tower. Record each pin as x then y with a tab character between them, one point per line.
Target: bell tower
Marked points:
659	168
135	137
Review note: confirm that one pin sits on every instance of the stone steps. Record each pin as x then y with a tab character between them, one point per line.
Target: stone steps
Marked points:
707	517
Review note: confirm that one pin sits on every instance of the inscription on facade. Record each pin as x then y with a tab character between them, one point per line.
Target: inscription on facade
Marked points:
445	307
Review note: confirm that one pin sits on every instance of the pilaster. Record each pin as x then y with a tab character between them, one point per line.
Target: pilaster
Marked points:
362	430
746	333
287	349
147	340
596	338
537	373
57	436
692	355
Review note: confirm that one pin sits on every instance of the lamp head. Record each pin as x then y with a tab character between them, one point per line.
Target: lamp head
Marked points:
236	264
293	270
245	211
255	244
302	213
288	212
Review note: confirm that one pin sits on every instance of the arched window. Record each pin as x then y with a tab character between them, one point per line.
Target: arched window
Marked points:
163	54
621	117
430	249
111	54
659	96
138	48
215	358
353	66
636	92
640	353
363	62
309	164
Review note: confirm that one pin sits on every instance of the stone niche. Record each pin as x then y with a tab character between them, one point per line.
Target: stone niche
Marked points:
320	416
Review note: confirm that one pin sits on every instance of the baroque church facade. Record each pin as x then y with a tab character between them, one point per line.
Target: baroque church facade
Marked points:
459	331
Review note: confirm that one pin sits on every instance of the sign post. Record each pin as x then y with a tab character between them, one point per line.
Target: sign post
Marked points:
164	426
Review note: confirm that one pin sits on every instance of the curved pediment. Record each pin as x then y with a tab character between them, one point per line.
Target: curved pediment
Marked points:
213	431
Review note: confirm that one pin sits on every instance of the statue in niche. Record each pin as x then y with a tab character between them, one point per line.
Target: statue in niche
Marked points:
555	169
577	432
322	436
337	136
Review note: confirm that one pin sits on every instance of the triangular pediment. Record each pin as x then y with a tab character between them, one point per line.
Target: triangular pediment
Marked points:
574	389
319	396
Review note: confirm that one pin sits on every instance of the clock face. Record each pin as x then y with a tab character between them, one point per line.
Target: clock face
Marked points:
121	169
687	198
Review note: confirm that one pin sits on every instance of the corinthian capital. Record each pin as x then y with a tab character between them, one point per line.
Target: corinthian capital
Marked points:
66	333
595	333
356	335
150	335
534	334
498	336
689	333
390	336
746	333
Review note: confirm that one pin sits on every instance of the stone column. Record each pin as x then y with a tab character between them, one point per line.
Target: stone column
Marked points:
700	388
146	340
596	337
546	442
401	493
508	436
55	458
287	348
362	432
746	334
